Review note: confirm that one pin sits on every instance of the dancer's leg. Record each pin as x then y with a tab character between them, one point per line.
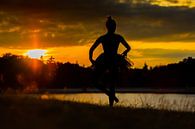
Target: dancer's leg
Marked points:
114	82
98	75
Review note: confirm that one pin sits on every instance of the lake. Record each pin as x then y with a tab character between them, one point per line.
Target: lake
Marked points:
177	102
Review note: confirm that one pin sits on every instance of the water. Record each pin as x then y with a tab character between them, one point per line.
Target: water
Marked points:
177	102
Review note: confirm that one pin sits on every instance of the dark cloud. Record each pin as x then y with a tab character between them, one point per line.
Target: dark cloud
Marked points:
74	22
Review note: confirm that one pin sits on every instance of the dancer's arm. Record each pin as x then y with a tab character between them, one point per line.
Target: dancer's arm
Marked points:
93	47
128	48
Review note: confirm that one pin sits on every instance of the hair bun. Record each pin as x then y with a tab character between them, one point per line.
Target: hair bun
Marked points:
109	17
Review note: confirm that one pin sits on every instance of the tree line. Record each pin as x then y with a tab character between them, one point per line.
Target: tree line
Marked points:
24	73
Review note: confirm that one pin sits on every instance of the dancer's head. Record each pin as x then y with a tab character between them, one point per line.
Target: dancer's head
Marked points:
110	25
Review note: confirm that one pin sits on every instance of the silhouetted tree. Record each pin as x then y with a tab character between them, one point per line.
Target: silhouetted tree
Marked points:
19	72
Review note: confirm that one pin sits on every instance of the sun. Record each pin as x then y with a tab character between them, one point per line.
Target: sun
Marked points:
36	53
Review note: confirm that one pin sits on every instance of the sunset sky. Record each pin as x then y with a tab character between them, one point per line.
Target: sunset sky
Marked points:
159	31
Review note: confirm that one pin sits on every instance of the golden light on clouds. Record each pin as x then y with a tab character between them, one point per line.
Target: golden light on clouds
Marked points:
163	45
72	54
80	54
159	31
159	53
167	3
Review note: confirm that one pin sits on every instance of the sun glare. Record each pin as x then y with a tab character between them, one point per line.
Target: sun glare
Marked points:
36	53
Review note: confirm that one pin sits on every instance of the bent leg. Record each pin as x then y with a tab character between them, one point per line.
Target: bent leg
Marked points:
98	75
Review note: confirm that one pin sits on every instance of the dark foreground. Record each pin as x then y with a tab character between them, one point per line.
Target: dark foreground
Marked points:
30	113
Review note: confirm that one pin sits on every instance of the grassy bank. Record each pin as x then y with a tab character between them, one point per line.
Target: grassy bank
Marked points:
30	113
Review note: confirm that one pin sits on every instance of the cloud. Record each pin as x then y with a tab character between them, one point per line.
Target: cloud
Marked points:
76	22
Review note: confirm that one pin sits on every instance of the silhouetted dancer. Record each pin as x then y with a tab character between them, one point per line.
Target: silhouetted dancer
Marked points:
107	65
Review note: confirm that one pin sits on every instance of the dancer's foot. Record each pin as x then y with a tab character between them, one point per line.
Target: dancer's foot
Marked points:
116	99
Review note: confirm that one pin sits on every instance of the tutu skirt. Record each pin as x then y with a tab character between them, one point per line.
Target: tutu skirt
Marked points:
117	62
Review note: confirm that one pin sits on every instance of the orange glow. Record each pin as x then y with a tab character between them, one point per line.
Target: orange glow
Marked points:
36	53
162	45
80	54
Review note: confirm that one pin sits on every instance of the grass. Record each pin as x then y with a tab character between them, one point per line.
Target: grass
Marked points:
32	113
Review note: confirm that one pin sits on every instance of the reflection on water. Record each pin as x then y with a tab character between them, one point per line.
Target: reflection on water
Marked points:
159	101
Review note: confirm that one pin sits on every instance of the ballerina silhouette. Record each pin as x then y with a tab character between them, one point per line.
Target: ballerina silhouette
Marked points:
109	62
